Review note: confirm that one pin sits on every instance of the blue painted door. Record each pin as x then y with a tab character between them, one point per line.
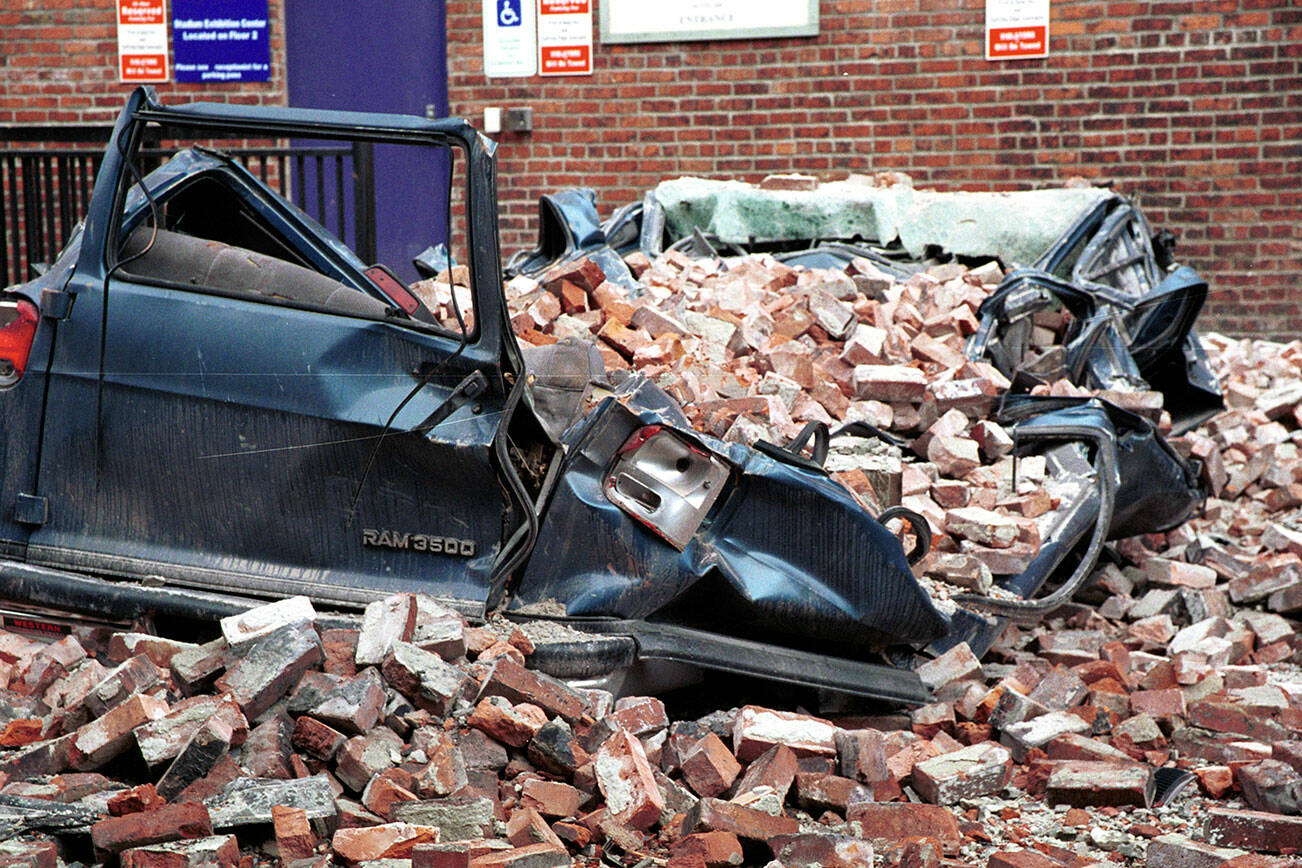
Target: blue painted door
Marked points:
386	56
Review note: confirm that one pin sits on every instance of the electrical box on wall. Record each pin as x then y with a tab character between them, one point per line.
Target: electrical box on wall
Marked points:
511	120
518	120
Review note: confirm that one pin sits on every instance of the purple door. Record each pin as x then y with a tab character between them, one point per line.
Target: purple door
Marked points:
380	56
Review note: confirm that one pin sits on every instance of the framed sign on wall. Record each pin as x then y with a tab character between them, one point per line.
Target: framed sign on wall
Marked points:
221	40
680	20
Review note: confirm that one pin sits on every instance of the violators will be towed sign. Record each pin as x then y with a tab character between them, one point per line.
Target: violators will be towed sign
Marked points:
1017	29
221	40
564	37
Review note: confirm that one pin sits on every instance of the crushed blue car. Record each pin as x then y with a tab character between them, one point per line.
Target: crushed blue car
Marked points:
211	401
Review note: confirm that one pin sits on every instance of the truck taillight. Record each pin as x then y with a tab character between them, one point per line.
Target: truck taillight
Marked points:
666	482
18	319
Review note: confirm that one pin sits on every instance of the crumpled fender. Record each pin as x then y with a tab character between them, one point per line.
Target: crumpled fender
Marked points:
786	553
1138	484
1157	489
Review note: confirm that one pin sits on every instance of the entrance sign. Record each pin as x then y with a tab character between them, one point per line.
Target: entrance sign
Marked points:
1017	29
510	38
142	40
221	40
681	20
565	37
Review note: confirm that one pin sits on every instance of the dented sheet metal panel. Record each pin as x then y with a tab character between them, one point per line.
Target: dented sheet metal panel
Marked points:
278	450
569	228
786	553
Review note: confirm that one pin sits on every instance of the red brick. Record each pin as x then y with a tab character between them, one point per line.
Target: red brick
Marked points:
890	383
364	756
1021	859
272	667
817	792
36	853
1179	851
1216	780
640	715
512	681
973	771
862	754
709	767
551	798
758	729
387	841
526	827
716	849
1084	783
18	733
218	851
584	273
712	815
775	769
1166	704
956	664
898	820
625	778
444	774
170	823
267	753
1270	785
828	851
510	724
315	738
533	856
1252	830
422	676
104	738
294	836
387	789
142	798
386	621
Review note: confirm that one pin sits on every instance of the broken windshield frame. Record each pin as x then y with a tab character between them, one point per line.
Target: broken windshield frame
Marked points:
103	231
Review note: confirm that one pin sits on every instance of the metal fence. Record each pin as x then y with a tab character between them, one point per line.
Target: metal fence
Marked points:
47	175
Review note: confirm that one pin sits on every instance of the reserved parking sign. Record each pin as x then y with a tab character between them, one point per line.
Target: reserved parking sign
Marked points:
142	41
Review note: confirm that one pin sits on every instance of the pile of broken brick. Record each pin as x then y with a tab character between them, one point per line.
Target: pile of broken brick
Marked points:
756	349
414	739
410	738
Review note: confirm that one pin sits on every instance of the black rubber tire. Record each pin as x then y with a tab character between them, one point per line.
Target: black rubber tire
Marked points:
587	658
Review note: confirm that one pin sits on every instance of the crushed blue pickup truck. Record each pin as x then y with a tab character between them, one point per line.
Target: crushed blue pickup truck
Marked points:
210	401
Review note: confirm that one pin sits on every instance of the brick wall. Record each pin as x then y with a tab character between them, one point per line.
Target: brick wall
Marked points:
58	64
1195	108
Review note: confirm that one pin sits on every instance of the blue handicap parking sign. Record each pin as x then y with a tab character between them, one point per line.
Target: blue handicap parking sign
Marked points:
508	13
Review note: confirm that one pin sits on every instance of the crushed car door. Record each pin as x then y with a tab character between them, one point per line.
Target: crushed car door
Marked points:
229	419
